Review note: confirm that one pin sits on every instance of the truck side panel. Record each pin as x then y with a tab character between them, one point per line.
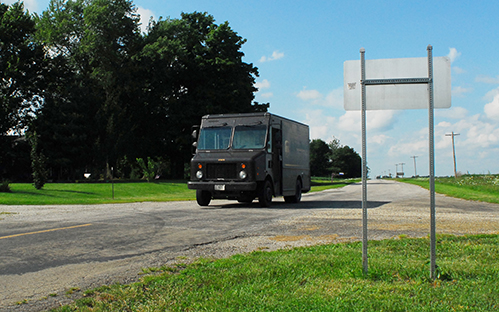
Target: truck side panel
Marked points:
295	156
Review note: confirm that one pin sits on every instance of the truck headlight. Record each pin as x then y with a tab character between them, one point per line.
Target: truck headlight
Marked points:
242	174
199	174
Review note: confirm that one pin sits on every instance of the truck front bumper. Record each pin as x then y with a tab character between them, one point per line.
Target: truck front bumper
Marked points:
221	186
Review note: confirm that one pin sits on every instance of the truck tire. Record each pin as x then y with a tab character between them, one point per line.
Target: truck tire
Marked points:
297	197
203	197
265	194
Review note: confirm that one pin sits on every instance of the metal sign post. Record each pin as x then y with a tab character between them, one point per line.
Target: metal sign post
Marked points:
364	163
405	97
432	164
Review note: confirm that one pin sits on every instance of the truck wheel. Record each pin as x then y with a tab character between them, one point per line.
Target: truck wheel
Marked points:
265	194
297	197
203	197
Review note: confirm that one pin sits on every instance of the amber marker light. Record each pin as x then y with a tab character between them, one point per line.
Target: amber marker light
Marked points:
243	166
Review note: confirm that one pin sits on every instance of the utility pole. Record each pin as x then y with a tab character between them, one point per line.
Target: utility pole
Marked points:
453	150
396	170
415	171
402	172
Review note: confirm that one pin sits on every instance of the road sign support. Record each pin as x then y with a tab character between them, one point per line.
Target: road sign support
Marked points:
364	163
432	164
373	82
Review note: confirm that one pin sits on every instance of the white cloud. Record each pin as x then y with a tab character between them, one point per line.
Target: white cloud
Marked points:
145	15
380	120
380	139
321	125
275	56
489	96
376	120
454	112
458	70
459	91
453	54
308	95
492	109
267	95
264	84
335	98
417	146
487	79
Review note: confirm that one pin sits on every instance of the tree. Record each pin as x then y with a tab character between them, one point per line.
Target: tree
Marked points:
345	159
333	158
21	68
91	110
319	158
114	94
38	162
201	72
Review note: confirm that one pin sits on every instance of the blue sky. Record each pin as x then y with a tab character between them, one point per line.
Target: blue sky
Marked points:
299	47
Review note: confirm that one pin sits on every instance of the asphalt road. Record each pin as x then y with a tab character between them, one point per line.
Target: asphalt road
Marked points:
45	251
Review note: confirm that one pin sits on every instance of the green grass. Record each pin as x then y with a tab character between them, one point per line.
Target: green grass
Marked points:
101	193
321	184
320	278
471	187
95	193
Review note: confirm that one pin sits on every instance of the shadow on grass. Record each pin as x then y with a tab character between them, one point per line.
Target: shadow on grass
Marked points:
47	192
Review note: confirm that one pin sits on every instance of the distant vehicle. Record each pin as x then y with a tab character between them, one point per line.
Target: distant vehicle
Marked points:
247	156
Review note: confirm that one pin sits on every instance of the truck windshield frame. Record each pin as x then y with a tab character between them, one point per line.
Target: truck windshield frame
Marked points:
214	138
249	137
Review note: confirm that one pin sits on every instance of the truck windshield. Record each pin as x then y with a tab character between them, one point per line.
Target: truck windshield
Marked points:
249	137
215	138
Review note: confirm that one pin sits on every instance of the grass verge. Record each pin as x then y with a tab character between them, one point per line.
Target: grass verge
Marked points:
471	187
95	193
320	278
102	193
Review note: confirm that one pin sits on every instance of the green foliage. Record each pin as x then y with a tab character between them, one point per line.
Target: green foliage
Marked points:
4	187
150	169
111	92
333	158
21	68
320	154
331	280
38	162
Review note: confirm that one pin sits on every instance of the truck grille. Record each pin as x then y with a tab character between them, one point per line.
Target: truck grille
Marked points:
221	171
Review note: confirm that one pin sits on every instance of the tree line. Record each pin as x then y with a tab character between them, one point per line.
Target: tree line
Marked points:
334	160
92	92
84	90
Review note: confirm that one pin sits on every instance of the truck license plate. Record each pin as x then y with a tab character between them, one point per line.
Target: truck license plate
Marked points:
219	187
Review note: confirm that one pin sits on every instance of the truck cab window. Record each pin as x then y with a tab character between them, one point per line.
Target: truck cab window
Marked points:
216	138
249	137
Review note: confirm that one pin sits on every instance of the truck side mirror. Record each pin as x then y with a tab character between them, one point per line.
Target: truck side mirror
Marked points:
194	147
195	132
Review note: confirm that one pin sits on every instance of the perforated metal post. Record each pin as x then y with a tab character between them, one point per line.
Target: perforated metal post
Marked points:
364	163
432	165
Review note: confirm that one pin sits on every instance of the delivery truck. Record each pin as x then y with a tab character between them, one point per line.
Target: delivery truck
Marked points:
247	156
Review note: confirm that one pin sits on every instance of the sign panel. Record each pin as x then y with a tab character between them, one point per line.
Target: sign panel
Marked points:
397	96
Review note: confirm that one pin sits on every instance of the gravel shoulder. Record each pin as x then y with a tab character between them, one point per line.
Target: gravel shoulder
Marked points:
327	217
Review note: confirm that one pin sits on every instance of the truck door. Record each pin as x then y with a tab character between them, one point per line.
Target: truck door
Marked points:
277	159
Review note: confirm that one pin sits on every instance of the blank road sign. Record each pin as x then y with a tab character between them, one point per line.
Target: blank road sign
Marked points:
397	96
